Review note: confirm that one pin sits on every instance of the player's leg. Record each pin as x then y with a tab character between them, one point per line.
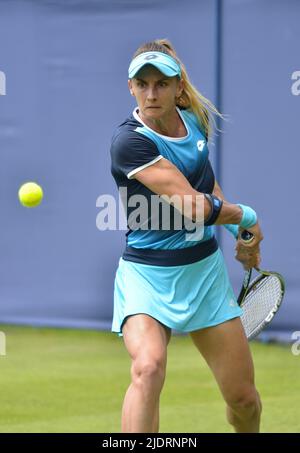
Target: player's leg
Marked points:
146	341
226	350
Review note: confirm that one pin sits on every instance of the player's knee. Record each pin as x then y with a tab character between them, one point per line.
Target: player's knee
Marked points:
245	403
148	371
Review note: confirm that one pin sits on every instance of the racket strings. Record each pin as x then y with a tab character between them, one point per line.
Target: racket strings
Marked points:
262	299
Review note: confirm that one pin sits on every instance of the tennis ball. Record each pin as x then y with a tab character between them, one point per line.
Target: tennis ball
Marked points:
30	194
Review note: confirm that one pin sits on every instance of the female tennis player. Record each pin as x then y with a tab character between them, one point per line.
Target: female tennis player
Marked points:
169	278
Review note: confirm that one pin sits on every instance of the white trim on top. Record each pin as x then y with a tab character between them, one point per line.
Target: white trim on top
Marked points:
166	137
132	172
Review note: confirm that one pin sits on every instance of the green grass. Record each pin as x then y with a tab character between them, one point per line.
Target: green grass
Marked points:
55	380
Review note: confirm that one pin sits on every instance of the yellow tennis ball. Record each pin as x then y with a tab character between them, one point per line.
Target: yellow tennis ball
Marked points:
30	194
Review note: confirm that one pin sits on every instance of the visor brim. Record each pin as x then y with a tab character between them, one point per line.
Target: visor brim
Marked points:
164	69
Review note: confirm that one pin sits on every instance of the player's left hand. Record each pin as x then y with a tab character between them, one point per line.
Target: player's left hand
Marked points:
249	257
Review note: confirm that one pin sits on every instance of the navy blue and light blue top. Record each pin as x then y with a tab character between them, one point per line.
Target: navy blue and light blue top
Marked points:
136	146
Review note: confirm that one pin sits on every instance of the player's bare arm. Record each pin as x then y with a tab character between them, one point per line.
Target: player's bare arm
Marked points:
164	178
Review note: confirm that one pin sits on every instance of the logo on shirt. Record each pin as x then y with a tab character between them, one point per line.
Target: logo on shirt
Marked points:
200	144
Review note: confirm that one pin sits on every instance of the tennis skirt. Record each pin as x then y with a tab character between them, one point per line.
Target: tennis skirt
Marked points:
184	298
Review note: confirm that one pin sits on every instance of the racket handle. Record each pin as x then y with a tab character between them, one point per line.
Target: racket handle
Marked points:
247	236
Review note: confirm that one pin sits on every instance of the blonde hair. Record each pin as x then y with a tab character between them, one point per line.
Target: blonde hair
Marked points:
190	98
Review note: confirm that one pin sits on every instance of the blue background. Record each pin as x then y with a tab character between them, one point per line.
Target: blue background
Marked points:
66	90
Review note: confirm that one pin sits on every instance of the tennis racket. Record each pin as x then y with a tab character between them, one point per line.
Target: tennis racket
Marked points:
261	298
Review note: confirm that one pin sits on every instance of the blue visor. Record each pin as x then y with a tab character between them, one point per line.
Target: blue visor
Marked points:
163	62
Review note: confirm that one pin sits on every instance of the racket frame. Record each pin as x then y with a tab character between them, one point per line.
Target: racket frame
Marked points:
248	287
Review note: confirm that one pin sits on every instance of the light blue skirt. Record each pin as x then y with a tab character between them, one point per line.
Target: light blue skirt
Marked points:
184	298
